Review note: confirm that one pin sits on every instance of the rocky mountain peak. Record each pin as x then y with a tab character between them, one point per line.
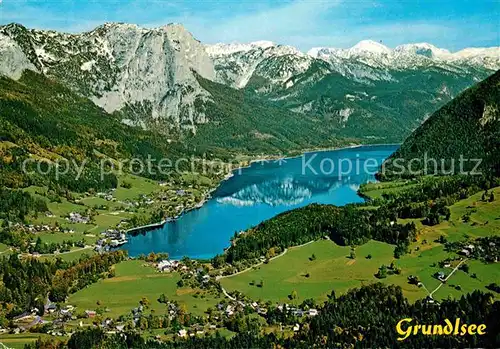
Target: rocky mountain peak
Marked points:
371	47
151	74
423	49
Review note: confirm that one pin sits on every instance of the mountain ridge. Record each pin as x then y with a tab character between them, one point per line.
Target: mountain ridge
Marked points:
468	127
150	77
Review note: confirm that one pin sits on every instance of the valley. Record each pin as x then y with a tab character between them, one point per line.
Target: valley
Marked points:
307	272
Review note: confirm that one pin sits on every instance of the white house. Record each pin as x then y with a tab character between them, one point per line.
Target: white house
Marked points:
164	265
312	312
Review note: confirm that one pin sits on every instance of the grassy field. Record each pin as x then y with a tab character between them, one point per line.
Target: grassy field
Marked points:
332	268
140	186
133	281
75	254
17	341
484	219
376	189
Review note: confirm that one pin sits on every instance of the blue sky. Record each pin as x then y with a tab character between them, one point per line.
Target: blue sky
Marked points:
451	24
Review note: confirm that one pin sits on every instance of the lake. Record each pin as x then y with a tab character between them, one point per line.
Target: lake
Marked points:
259	192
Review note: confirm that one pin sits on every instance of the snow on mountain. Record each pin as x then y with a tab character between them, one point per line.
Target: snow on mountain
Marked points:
423	49
122	67
150	75
478	52
487	57
236	63
370	46
409	56
226	49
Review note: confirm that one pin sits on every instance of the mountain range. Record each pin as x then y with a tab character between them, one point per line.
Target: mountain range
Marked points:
214	96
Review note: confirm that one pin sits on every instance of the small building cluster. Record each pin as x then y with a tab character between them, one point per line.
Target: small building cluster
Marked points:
107	196
75	217
467	250
166	266
297	311
111	238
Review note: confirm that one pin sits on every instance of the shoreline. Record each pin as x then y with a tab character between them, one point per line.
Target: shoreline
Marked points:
230	174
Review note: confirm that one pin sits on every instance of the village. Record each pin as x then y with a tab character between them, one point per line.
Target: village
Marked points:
103	219
62	319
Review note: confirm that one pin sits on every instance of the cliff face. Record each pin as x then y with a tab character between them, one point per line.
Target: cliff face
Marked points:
141	72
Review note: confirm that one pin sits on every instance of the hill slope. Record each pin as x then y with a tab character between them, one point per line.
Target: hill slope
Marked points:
41	119
468	127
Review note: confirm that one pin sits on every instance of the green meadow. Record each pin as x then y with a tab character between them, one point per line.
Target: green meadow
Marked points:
133	281
18	341
333	269
375	190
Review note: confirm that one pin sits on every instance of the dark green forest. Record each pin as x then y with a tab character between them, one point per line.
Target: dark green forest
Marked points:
468	127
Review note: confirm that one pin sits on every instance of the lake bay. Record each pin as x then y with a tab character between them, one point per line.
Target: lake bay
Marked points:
261	191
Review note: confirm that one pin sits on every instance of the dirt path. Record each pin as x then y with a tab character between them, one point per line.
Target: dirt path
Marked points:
260	263
453	271
72	251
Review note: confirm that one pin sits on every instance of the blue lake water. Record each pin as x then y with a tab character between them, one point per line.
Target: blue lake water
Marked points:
259	192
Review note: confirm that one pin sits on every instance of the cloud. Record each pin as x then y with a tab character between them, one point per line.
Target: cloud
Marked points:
300	23
306	24
276	23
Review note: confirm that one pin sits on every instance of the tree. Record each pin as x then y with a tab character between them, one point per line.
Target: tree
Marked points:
466	217
382	272
183	309
126	185
89	338
143	323
332	296
162	298
271	253
144	302
293	295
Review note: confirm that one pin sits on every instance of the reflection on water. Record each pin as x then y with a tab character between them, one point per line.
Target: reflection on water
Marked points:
260	192
275	192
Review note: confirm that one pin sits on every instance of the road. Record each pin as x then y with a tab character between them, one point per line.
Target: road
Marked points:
254	266
260	263
442	282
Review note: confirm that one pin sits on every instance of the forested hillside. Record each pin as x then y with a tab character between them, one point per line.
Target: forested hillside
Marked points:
468	127
241	122
41	119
